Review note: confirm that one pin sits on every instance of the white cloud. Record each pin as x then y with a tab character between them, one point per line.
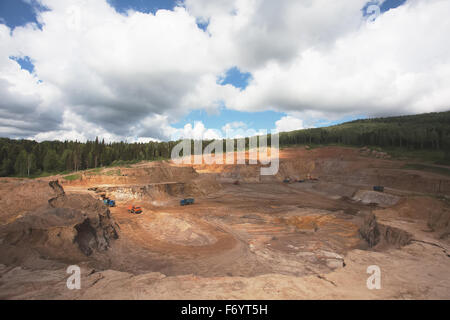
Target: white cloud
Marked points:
113	70
239	129
289	123
234	125
132	76
399	64
197	132
254	32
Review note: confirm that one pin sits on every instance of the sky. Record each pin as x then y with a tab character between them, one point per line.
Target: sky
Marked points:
137	70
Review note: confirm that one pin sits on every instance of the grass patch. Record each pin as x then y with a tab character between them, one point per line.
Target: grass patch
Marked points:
429	156
94	171
129	163
123	163
113	173
73	177
45	174
42	175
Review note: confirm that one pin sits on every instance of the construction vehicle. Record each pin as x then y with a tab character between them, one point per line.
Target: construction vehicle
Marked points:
378	188
109	202
134	209
186	202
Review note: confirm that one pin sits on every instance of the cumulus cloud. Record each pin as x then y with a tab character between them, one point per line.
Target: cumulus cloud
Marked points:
197	132
123	73
289	123
398	64
253	32
132	76
25	102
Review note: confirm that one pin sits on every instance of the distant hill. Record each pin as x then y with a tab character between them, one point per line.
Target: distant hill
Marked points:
426	133
429	131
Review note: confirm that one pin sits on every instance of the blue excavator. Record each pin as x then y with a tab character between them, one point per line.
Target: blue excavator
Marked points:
109	202
186	202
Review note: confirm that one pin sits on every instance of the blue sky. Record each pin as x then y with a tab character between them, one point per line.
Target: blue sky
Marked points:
25	63
16	13
142	5
236	78
256	120
389	4
20	12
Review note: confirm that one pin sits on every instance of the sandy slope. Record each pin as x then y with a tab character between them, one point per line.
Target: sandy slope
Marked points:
258	239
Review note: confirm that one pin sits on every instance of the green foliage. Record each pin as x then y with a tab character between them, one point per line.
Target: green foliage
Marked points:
426	134
423	155
20	166
124	163
73	177
425	137
95	171
7	167
51	161
426	131
33	159
113	173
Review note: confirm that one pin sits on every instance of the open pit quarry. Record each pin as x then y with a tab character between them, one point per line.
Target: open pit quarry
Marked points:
246	236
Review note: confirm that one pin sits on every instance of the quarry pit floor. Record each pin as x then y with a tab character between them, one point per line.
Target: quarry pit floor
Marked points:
256	239
241	230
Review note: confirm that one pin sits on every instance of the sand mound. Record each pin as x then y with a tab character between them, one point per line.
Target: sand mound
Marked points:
330	188
202	186
382	199
151	192
299	169
154	172
439	221
419	207
65	227
231	173
161	191
181	232
17	197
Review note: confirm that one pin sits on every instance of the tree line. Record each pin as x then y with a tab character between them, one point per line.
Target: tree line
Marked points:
29	158
429	131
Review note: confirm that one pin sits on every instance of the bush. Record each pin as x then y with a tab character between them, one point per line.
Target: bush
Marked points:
73	177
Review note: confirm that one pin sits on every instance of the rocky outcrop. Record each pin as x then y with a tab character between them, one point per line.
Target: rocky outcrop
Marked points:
65	228
370	231
439	221
376	234
373	197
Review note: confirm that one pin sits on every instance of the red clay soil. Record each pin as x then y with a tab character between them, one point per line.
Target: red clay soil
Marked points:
247	240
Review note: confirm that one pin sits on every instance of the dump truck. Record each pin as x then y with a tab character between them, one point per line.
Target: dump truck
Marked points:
378	188
135	209
186	202
109	202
